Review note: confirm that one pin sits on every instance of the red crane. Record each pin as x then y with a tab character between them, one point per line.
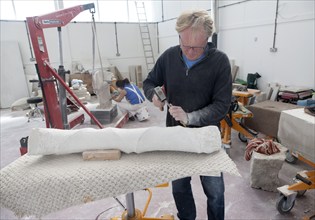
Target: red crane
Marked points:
54	106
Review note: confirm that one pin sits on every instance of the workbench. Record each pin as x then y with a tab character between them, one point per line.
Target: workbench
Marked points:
266	116
39	185
297	132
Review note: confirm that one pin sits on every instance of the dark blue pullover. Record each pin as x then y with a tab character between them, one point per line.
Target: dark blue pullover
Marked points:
204	91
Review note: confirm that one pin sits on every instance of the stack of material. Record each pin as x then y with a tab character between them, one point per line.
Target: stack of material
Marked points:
116	72
86	78
81	93
135	75
294	94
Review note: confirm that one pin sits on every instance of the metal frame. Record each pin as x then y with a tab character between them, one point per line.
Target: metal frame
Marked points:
55	109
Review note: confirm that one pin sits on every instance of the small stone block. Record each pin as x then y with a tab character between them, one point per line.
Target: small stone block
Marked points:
101	155
105	116
264	169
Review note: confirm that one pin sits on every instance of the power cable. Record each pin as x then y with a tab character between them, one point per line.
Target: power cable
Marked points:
117	200
97	217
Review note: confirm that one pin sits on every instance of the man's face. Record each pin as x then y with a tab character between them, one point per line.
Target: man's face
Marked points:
192	43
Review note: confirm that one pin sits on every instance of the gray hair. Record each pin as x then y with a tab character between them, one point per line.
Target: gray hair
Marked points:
196	19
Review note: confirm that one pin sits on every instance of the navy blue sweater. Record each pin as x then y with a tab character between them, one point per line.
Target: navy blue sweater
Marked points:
203	91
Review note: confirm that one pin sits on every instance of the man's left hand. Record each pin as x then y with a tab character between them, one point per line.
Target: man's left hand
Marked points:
178	114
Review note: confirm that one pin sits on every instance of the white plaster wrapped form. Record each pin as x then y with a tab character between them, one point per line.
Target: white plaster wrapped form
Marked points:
46	141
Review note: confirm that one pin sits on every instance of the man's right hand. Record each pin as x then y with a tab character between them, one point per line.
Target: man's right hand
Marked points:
156	102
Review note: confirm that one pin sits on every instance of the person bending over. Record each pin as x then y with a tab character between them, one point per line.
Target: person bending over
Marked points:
198	85
135	100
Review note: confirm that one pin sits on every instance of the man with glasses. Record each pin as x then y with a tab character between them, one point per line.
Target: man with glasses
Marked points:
197	81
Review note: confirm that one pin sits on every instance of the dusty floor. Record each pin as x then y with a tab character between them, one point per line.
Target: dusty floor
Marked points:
242	201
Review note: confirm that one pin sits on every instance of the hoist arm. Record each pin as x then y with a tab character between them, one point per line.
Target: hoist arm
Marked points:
60	18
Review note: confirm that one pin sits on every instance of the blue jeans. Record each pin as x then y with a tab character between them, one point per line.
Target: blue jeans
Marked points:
212	186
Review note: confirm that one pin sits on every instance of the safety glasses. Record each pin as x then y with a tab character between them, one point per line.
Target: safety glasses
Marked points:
187	48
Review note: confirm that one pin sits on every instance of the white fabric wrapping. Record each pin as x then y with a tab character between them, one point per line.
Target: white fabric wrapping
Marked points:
39	185
45	141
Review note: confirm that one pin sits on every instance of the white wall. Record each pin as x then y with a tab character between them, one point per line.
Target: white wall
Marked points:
12	88
172	9
167	35
246	32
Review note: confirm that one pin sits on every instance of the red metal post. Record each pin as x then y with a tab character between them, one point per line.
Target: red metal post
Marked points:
47	74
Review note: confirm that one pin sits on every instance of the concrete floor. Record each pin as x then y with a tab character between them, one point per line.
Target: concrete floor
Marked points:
242	201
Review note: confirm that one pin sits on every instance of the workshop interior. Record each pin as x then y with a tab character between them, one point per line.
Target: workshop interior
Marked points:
69	151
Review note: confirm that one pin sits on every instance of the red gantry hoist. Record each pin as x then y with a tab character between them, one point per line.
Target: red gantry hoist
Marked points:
55	102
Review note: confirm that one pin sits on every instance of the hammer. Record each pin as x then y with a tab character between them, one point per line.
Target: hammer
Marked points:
161	95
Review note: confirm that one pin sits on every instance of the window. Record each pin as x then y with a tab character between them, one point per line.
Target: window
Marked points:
19	10
105	10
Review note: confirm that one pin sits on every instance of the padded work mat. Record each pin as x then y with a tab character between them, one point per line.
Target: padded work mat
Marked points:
39	185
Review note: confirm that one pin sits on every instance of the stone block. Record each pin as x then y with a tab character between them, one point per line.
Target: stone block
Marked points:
264	169
105	116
